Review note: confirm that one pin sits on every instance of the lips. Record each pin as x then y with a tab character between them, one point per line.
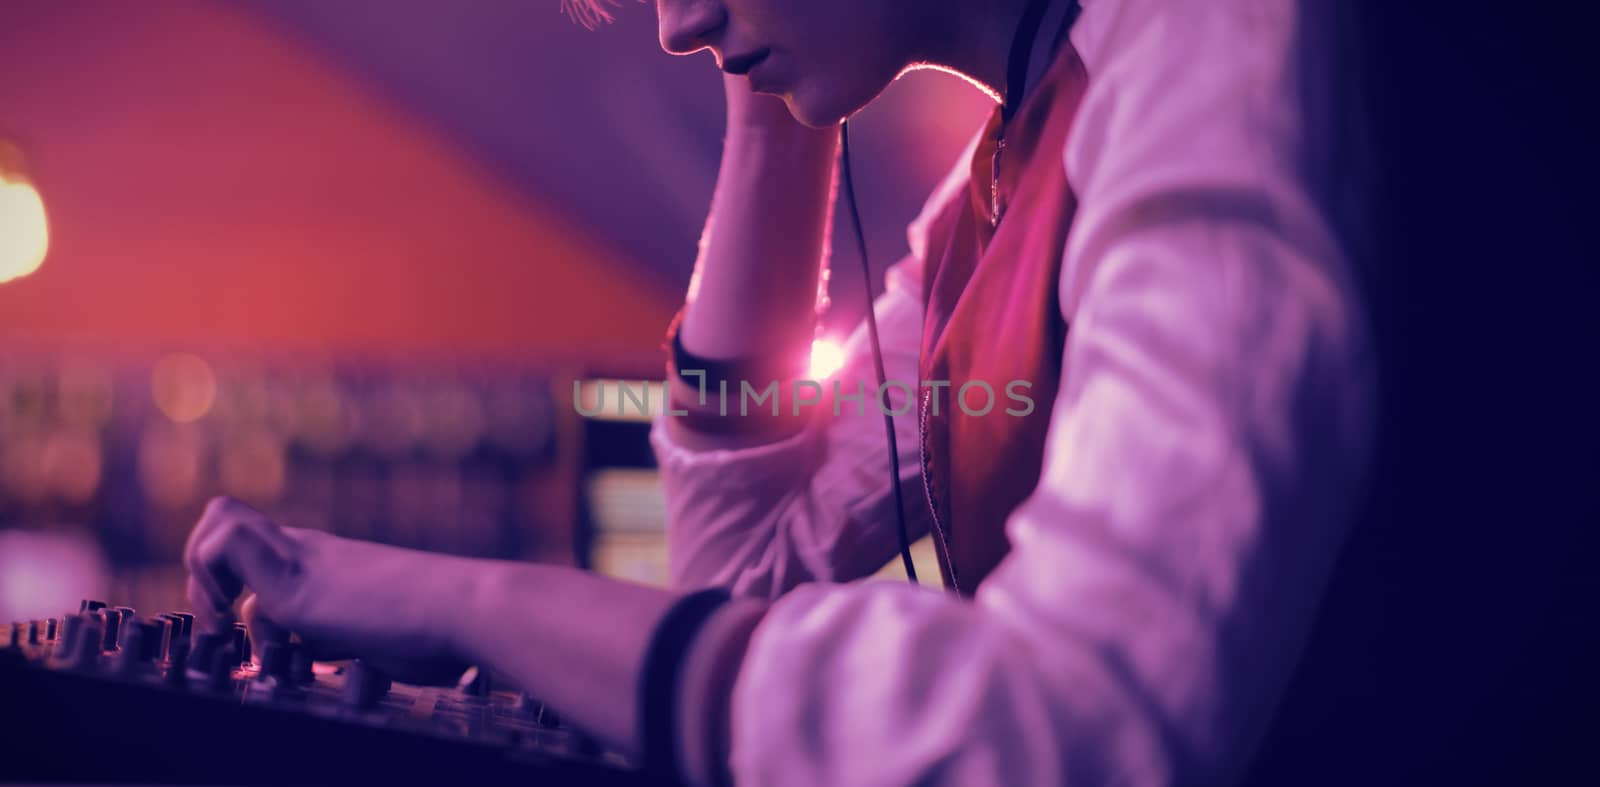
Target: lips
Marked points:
741	64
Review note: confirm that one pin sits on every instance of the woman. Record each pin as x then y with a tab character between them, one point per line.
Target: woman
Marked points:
1143	236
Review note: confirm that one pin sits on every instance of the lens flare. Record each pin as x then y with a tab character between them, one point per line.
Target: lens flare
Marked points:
826	358
183	387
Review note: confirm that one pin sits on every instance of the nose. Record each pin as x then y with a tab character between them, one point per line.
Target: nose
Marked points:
686	25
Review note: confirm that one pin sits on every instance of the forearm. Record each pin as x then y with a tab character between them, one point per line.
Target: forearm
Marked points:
579	642
574	640
761	251
761	254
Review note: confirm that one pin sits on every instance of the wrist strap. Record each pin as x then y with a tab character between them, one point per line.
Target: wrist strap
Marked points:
716	410
658	686
759	371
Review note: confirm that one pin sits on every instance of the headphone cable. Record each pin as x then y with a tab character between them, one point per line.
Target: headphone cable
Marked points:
877	358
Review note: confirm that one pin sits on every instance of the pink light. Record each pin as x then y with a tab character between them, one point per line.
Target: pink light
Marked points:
826	358
24	230
45	574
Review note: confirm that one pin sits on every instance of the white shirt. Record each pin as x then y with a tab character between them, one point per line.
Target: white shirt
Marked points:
1206	448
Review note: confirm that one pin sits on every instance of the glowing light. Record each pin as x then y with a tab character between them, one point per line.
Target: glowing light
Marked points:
170	464
392	422
252	466
183	386
86	394
322	423
44	572
73	460
826	358
453	421
24	230
23	471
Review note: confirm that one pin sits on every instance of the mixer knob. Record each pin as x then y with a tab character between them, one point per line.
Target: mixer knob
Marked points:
112	628
188	622
170	626
525	706
33	632
71	627
177	650
548	717
205	651
84	640
151	643
154	631
300	671
87	654
133	639
90	605
178	662
364	685
274	662
14	635
141	645
241	643
220	671
50	630
126	616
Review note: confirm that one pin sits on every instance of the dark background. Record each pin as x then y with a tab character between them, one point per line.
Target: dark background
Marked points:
1457	643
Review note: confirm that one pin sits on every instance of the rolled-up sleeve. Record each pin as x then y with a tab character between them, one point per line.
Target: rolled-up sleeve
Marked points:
1203	459
817	505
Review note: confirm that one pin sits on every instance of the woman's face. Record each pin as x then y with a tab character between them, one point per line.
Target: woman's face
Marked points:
826	58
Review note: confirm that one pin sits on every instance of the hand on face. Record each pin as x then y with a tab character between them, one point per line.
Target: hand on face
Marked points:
752	111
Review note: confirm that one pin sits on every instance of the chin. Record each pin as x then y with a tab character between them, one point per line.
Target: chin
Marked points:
808	116
824	108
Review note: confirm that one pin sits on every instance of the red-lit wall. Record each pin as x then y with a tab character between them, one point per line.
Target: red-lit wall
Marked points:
211	183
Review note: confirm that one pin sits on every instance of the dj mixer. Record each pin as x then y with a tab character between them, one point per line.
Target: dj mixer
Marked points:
107	695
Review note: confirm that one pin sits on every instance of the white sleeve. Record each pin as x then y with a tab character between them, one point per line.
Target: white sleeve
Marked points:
1204	453
817	505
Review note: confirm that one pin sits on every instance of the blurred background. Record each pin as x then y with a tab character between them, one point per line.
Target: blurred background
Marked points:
344	260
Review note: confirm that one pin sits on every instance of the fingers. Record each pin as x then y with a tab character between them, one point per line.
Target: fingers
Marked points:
262	628
204	607
208	571
207	598
234	547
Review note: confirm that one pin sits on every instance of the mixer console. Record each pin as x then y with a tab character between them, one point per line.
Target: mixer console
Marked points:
107	695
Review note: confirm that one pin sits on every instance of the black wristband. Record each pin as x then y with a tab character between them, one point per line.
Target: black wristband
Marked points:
758	371
658	683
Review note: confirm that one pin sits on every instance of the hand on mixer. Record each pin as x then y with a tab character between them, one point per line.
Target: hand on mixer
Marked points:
343	598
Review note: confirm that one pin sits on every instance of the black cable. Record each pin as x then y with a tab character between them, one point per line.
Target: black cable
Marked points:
1017	60
877	358
1017	65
